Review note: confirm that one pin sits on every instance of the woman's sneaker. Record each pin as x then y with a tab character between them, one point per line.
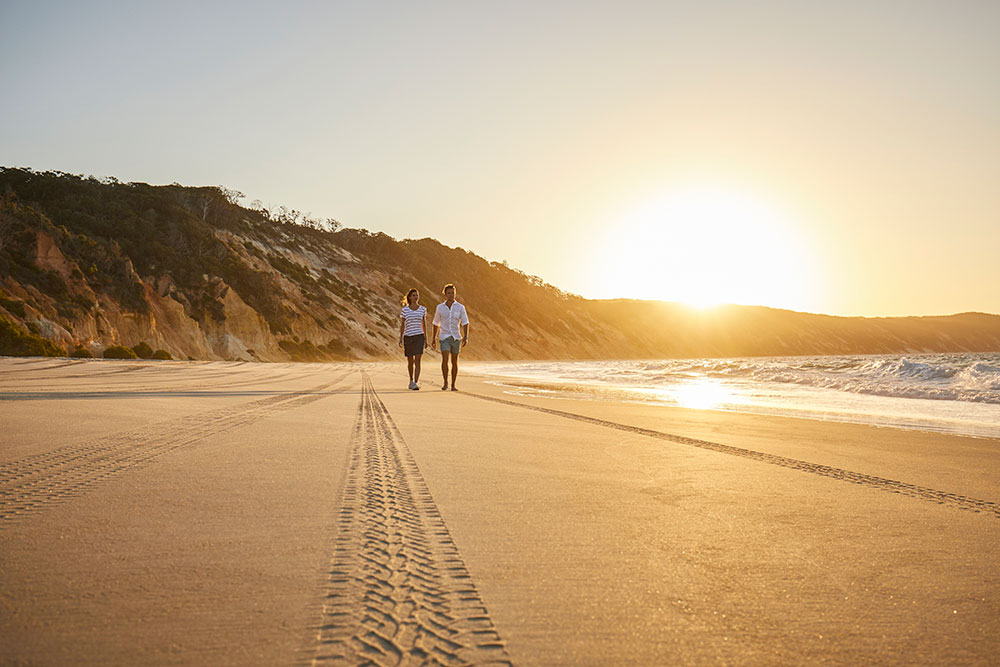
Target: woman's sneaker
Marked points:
413	385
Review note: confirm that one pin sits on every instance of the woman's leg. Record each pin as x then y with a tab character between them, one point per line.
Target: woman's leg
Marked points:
409	366
416	368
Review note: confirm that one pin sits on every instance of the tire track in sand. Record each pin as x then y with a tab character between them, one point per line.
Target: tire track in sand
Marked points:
955	500
36	482
398	591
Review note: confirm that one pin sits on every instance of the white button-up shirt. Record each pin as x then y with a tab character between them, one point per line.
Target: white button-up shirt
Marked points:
450	319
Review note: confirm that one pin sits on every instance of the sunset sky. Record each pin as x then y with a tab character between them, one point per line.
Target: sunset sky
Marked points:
841	158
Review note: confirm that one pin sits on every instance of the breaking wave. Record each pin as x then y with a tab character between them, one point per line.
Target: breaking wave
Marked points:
958	393
973	378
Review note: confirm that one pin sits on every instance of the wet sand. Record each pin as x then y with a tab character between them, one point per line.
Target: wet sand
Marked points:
233	514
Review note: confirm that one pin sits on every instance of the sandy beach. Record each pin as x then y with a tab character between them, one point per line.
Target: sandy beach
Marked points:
215	513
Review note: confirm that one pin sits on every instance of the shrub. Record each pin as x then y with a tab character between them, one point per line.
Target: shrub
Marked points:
15	306
81	353
162	355
143	350
16	342
119	352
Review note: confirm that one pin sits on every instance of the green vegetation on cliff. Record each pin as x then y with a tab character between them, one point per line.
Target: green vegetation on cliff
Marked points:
16	342
117	232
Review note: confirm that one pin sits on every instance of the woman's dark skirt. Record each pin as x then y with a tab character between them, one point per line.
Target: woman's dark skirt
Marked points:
413	345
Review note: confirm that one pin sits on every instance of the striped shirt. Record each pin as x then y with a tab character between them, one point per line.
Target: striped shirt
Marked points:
414	320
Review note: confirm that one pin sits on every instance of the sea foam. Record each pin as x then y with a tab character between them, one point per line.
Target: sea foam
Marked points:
951	392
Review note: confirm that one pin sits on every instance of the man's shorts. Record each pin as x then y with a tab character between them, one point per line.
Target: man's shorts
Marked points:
413	345
451	344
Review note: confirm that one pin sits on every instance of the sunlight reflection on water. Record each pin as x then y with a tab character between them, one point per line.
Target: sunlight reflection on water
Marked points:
956	393
700	393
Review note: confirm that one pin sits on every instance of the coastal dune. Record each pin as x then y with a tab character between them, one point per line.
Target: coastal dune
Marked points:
227	513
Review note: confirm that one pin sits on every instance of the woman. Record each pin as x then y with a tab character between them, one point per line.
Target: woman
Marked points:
413	334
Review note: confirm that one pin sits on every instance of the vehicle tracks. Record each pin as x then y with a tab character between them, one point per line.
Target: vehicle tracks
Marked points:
36	482
955	500
398	591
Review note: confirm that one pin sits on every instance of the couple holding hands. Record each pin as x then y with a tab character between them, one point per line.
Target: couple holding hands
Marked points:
450	321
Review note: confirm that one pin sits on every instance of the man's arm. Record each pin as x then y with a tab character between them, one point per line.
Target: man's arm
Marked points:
437	327
465	334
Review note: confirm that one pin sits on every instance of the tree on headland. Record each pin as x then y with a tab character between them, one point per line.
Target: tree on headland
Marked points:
6	227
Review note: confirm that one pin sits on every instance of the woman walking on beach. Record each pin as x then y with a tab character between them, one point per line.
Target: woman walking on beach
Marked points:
413	334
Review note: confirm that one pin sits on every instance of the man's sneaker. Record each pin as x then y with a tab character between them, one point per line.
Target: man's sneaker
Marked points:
413	385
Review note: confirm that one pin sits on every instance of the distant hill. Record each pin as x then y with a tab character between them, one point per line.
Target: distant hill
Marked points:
96	263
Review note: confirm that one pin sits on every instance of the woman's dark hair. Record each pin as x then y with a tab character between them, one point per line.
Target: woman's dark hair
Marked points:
406	299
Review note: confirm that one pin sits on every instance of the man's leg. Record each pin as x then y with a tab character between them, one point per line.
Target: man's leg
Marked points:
454	370
444	367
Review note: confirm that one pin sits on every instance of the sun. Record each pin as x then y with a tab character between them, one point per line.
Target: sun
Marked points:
708	246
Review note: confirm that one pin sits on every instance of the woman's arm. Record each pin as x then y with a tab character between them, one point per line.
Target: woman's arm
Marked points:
402	327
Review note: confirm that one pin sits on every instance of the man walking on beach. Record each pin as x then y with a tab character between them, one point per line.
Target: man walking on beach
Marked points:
449	317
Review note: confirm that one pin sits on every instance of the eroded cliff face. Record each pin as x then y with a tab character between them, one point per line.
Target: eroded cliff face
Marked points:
324	302
330	304
226	328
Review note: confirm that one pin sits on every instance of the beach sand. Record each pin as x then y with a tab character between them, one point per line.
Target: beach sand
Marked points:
232	514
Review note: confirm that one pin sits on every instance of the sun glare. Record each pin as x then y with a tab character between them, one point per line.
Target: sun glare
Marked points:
699	393
702	394
705	247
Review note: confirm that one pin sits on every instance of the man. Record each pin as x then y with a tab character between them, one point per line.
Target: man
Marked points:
449	317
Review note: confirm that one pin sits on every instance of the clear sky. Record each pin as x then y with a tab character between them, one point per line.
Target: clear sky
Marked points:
835	157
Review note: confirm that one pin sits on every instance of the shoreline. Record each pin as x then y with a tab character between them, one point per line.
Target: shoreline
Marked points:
556	387
954	394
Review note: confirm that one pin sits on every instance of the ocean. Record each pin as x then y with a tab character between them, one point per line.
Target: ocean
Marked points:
951	393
